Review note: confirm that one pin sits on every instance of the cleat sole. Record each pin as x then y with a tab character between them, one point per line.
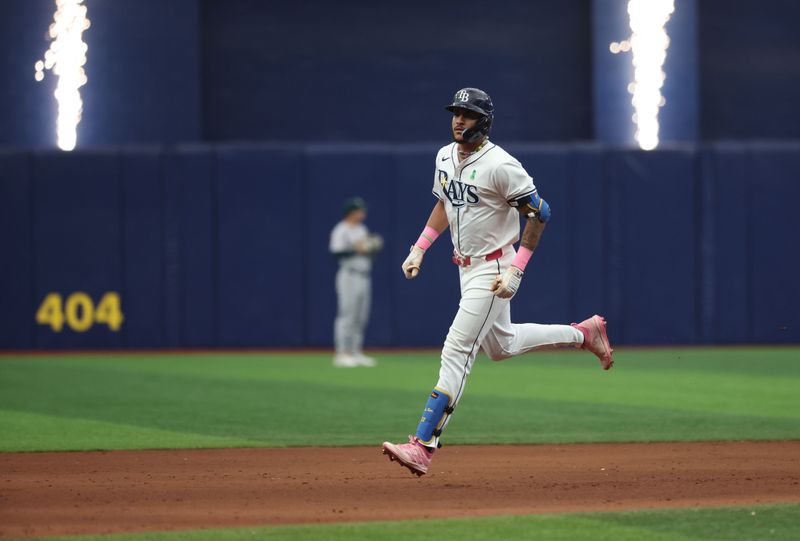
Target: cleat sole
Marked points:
601	327
393	458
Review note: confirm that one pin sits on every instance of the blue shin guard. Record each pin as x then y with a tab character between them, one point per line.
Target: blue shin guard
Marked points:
433	417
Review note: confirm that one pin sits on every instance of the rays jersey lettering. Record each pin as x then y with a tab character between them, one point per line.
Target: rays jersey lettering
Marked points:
457	192
477	195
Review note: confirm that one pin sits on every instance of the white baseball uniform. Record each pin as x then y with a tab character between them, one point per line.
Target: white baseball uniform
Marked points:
477	194
353	287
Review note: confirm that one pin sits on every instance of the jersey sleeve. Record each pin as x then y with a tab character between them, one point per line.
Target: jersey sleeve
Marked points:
512	181
437	185
440	176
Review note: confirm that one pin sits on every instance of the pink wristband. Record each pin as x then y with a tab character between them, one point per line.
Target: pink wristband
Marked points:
427	237
522	258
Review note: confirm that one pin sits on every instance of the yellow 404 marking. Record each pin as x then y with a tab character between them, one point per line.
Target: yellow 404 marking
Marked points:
79	312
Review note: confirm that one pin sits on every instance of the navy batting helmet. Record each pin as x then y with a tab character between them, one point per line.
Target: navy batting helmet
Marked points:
477	101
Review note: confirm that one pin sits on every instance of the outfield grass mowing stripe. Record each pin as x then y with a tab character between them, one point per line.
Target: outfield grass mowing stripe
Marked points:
643	377
773	522
57	433
213	400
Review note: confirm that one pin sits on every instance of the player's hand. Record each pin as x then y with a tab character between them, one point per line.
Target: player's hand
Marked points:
374	243
413	262
506	285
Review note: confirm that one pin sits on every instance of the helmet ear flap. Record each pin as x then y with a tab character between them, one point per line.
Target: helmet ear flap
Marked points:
480	129
485	124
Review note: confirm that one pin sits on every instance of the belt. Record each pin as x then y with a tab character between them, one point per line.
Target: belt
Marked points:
365	274
466	261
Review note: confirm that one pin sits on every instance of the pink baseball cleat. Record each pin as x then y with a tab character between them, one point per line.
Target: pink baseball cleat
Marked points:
595	339
413	455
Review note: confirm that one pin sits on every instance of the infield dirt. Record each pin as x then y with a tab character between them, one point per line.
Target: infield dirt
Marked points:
129	491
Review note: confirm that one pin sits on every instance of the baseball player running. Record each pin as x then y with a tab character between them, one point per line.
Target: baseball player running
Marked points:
481	191
353	246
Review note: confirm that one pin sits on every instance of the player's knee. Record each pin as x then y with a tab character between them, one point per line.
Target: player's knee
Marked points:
456	347
499	355
497	351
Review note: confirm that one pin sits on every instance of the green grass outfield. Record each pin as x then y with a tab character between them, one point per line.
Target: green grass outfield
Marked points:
774	523
136	401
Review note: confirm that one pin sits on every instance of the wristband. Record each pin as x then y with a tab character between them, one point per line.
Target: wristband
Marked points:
522	258
427	237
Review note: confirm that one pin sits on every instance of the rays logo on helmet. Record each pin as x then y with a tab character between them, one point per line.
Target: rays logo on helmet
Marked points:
463	95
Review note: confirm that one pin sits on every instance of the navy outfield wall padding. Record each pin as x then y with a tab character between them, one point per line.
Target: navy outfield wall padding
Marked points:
77	237
142	287
16	259
774	223
706	264
728	301
653	210
261	294
228	246
192	171
171	249
588	217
